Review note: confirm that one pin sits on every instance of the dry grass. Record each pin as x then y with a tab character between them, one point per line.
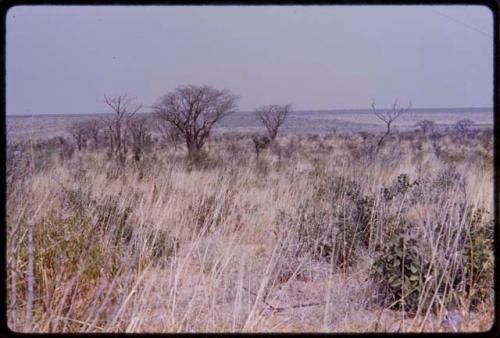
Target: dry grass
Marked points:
231	244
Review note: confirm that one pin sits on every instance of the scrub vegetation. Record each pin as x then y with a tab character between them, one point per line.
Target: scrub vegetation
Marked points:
132	224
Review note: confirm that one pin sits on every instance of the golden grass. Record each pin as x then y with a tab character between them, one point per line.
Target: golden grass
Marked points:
227	269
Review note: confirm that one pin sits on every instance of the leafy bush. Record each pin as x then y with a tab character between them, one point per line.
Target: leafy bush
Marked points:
399	273
477	256
407	275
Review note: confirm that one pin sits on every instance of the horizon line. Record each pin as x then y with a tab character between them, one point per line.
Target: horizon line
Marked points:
249	111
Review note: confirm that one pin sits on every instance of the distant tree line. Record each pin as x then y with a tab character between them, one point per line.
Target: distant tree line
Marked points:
187	115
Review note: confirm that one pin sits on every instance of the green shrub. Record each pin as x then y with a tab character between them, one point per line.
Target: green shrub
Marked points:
399	273
401	270
65	247
477	256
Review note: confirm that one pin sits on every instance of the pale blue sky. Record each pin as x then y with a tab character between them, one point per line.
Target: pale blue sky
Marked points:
63	59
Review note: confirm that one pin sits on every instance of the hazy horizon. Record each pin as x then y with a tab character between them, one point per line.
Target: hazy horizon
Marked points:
423	110
63	59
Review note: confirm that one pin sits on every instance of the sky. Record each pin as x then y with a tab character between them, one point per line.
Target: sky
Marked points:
64	59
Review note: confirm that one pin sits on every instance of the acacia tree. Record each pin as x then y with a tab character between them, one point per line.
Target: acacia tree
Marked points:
122	110
272	118
193	110
388	117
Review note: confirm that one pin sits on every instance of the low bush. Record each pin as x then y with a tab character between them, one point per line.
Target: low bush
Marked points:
409	273
399	273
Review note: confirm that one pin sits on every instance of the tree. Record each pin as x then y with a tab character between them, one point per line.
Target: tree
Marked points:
122	110
82	131
426	126
78	131
140	137
193	110
94	127
272	117
388	117
463	126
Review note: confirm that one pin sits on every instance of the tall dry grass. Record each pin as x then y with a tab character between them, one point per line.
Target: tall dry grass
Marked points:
304	239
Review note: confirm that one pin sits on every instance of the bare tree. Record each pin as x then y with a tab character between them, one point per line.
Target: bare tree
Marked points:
388	117
272	117
193	110
94	129
426	126
140	136
463	126
77	133
83	131
122	111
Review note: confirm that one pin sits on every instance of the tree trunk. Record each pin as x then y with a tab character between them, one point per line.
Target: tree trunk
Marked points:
193	146
388	131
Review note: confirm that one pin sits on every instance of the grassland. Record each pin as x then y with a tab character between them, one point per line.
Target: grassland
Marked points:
319	235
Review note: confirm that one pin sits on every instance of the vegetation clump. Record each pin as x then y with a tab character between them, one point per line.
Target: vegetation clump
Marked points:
399	272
